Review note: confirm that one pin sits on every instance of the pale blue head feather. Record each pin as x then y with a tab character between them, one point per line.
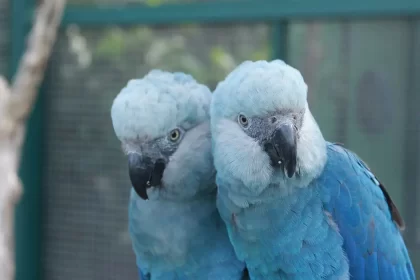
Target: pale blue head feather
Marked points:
262	89
148	109
152	106
258	88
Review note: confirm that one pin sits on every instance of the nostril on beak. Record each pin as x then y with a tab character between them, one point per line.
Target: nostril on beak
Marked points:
273	120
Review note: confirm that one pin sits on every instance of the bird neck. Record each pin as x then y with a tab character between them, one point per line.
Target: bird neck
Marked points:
167	235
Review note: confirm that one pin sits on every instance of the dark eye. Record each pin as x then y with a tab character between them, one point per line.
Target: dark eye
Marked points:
174	135
243	120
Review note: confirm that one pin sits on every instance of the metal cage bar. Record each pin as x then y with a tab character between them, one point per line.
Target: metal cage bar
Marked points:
279	40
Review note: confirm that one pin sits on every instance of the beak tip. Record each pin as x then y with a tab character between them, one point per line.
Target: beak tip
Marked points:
142	194
144	174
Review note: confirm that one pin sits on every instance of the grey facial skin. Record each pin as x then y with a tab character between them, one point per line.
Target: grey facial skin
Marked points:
277	133
147	161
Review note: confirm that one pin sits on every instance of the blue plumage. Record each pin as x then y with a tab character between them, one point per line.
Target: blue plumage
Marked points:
284	237
357	203
162	122
296	206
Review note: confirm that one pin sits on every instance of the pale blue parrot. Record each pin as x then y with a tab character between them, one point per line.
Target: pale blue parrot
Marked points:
296	206
162	121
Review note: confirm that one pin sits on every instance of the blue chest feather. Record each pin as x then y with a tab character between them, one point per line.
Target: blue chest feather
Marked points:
338	227
181	240
285	237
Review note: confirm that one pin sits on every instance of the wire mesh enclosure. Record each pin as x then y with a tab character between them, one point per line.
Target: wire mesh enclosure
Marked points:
87	185
363	83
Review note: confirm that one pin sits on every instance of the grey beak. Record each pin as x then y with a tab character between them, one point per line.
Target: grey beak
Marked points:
281	148
144	173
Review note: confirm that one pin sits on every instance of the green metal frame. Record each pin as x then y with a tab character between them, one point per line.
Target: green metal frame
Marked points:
246	10
28	216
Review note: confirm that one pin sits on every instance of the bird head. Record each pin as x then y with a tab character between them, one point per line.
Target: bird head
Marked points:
262	127
162	121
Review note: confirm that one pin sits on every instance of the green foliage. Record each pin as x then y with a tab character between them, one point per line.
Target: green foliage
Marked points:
113	45
206	53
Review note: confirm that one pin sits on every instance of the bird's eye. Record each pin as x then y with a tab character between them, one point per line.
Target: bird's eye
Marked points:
174	135
243	121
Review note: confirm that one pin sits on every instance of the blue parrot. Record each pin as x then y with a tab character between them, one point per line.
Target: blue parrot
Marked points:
295	205
163	124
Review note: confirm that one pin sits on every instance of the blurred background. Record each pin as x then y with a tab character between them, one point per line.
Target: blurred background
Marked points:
361	62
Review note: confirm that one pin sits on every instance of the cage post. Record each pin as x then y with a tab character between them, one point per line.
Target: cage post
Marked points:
279	40
28	214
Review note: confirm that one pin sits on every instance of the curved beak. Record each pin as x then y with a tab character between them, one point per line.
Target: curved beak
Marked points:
144	173
281	148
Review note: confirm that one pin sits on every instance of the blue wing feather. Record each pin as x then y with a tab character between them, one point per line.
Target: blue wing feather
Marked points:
366	218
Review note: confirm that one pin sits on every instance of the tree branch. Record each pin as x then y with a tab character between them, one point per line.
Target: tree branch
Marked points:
16	102
31	71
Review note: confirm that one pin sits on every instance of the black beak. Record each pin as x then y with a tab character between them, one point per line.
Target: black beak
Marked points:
144	173
281	148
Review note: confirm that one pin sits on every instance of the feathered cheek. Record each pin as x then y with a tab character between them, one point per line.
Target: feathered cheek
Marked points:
170	174
244	159
178	172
